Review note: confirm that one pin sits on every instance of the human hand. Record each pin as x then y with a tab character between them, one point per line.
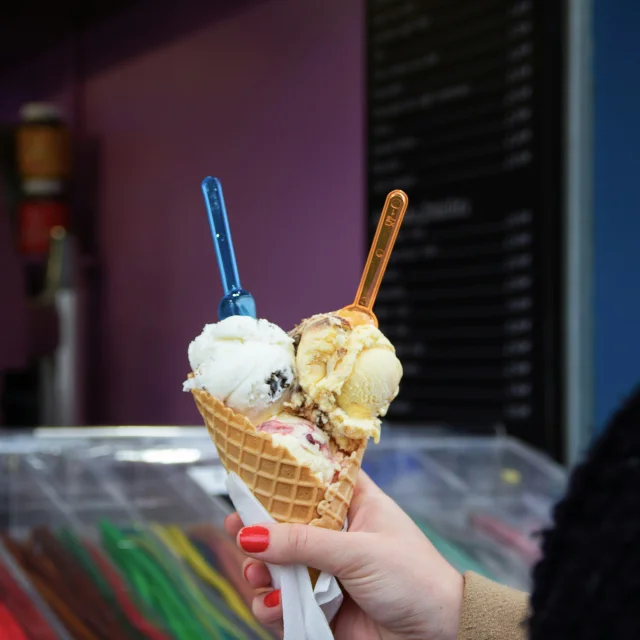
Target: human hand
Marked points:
398	587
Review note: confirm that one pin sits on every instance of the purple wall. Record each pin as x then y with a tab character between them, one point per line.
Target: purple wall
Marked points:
270	99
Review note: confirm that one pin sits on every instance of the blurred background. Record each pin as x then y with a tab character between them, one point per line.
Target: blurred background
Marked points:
268	96
510	296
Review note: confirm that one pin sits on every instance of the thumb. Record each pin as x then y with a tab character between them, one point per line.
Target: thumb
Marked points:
336	552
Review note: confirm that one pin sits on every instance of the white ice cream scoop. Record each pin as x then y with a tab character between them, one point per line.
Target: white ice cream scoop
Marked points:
248	364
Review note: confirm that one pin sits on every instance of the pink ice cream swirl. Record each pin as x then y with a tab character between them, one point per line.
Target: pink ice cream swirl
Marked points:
308	434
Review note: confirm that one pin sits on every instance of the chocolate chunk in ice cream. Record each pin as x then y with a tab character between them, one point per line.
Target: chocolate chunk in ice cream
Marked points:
278	381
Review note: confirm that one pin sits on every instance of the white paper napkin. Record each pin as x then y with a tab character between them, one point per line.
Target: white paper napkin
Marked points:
306	611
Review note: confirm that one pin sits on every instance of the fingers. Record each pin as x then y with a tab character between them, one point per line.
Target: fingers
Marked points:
232	524
267	608
256	574
339	553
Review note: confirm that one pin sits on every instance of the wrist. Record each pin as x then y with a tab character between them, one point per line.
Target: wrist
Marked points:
452	606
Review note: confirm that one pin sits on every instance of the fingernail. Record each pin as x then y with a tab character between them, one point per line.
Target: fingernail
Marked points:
272	599
245	571
254	539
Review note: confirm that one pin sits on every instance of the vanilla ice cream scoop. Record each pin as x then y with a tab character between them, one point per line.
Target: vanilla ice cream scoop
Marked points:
348	375
248	364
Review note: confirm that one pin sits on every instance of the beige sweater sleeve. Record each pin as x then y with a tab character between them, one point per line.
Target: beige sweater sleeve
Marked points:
491	611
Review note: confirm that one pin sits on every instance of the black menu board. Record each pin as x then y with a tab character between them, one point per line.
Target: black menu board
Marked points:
465	113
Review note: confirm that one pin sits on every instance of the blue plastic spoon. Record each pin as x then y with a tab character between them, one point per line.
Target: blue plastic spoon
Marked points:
236	301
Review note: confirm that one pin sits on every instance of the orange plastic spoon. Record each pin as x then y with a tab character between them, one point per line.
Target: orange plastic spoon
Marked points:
361	311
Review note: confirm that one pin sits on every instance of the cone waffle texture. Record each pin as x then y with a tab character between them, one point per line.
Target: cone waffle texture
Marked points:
289	491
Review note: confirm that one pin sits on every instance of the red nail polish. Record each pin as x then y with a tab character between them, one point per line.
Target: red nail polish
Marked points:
254	539
245	571
272	599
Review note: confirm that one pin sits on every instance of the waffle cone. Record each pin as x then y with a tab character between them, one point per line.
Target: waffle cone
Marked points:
289	491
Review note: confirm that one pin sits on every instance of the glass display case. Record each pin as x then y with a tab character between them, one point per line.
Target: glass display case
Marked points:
148	503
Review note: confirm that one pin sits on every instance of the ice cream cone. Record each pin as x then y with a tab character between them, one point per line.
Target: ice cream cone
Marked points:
289	491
